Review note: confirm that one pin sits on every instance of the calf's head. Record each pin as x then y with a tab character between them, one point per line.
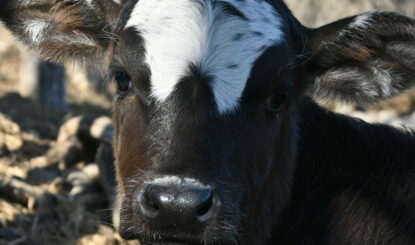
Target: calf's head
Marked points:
205	112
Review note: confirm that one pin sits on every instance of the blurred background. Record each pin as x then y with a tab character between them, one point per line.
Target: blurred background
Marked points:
55	132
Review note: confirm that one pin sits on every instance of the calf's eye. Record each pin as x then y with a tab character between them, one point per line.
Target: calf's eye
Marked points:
276	102
124	83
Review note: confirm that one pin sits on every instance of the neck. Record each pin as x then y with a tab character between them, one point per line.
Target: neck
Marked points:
348	176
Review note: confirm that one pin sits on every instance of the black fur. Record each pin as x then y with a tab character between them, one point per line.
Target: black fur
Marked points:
354	183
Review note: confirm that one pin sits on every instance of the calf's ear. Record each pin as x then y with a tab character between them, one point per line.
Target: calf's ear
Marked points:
362	58
61	30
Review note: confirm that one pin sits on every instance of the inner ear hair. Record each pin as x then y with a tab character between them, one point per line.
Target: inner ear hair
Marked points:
62	30
362	58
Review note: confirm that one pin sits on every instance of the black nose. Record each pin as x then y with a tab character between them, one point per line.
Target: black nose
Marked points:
180	206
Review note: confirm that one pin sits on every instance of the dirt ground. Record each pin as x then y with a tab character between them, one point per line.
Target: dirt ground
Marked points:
51	191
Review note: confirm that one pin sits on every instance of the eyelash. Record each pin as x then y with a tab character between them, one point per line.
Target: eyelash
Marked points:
119	76
123	82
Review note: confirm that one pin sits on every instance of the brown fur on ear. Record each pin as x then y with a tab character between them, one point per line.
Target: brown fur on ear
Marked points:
109	9
62	30
363	58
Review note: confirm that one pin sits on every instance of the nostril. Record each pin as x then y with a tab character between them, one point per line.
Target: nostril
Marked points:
148	203
205	207
151	204
167	205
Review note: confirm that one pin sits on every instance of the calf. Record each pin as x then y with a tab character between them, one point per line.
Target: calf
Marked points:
216	140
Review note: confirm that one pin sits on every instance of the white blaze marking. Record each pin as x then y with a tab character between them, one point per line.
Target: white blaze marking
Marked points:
181	33
36	29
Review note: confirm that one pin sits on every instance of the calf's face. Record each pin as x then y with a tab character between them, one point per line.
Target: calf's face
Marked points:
205	112
202	117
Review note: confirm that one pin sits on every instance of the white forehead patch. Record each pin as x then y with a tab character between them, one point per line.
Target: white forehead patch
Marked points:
181	33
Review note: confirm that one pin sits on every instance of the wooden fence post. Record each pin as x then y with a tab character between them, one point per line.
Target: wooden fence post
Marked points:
43	81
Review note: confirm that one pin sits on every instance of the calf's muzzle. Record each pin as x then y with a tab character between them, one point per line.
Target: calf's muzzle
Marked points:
185	205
